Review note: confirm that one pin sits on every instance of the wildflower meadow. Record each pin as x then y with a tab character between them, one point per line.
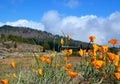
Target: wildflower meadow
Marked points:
96	66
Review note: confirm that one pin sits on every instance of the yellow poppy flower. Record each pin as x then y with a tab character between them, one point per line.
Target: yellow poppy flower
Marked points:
40	71
62	41
12	64
80	52
14	75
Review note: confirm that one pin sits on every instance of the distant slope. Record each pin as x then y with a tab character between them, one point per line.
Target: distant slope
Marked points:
27	35
24	32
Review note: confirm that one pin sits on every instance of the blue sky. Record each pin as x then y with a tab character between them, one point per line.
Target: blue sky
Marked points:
12	10
76	17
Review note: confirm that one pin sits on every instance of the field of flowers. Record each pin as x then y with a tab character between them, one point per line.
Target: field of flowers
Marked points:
97	66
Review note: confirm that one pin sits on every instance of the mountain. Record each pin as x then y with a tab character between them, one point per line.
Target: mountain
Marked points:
38	37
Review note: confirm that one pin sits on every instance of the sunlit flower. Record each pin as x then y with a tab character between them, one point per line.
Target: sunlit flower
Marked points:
92	38
68	66
64	51
116	59
4	81
47	59
42	58
93	60
116	63
73	74
40	71
117	75
68	37
12	64
80	52
111	56
14	75
113	41
118	68
98	63
54	54
103	49
62	41
69	52
95	47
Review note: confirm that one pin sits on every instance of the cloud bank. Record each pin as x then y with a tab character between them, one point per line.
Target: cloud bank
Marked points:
80	28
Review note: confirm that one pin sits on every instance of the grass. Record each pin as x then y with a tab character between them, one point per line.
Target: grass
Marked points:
99	67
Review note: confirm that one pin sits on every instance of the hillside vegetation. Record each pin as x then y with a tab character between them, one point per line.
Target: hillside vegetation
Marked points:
36	37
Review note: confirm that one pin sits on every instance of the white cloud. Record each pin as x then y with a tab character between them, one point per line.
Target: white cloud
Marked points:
72	3
1	23
26	23
80	28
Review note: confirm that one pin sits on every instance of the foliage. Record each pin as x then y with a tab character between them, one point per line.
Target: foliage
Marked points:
97	66
37	37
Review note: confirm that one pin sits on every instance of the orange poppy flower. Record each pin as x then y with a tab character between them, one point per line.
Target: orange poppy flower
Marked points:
113	41
116	58
73	74
103	49
117	75
40	71
68	66
118	68
116	63
12	64
68	37
4	81
64	51
111	56
98	63
47	59
42	58
92	38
